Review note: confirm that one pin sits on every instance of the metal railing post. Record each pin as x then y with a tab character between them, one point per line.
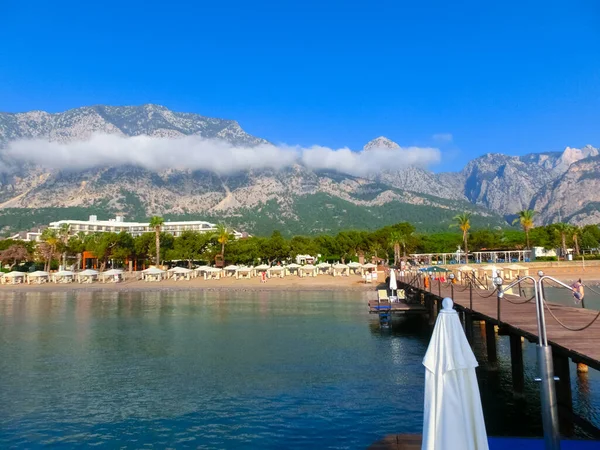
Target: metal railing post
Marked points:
545	364
471	294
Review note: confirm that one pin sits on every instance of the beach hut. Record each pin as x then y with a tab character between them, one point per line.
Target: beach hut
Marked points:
112	276
323	268
261	268
340	270
153	274
38	277
14	277
63	276
307	270
244	272
180	273
276	271
230	271
87	276
212	273
354	267
292	269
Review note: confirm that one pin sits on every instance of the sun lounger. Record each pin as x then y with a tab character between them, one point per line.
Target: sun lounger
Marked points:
382	296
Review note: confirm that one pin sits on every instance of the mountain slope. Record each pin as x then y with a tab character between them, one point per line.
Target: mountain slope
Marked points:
151	120
294	198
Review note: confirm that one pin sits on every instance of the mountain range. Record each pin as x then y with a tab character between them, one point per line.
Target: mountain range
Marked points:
295	199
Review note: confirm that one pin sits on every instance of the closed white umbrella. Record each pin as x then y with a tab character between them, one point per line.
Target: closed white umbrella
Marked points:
453	417
393	283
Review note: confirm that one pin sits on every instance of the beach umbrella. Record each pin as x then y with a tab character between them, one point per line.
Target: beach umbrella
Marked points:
88	273
112	272
453	417
153	271
38	273
14	274
393	283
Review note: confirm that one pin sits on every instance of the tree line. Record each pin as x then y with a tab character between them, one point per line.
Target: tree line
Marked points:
390	243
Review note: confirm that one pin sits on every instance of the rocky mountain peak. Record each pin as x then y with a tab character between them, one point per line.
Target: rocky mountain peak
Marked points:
571	155
380	143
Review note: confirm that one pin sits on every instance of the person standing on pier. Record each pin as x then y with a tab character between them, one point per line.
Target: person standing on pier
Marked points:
578	291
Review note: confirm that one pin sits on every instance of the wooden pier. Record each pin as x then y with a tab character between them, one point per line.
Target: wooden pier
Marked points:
515	317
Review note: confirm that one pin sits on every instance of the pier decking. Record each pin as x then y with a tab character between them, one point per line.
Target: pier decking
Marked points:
519	317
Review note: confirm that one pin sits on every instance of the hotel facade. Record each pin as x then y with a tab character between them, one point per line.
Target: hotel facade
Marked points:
117	225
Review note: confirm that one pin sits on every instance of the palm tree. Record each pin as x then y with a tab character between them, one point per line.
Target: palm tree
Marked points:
525	218
395	239
64	231
157	222
50	238
563	229
222	233
463	221
576	234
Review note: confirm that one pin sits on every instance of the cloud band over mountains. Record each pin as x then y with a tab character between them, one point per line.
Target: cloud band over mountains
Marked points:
197	153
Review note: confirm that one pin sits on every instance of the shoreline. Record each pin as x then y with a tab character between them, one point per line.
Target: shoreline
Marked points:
289	284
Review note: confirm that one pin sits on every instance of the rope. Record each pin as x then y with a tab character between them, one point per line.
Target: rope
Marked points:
567	327
590	288
485	296
520	303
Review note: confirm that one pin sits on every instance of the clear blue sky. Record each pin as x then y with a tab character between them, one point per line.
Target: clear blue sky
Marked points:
511	77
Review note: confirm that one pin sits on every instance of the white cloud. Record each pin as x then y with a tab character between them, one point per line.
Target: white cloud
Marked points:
197	153
443	137
368	162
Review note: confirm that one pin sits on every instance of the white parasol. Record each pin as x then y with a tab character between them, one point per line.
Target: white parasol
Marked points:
452	418
393	283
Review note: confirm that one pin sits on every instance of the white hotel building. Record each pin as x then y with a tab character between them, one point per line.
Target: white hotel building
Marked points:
116	225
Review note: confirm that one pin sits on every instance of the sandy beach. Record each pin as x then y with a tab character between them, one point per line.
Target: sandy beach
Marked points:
290	283
568	274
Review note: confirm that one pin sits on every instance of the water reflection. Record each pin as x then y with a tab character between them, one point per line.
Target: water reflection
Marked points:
261	370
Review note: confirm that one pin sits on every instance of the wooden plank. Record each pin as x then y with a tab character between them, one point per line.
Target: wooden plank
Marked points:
520	318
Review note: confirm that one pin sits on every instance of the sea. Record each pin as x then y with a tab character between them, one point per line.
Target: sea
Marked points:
233	369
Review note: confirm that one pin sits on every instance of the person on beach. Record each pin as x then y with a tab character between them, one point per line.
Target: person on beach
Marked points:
578	291
263	277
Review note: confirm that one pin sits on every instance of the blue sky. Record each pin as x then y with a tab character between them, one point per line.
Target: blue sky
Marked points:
511	77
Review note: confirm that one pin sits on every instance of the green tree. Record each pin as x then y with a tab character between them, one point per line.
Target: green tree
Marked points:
463	222
395	239
64	233
190	246
275	248
223	235
156	223
563	230
51	240
590	237
302	245
526	219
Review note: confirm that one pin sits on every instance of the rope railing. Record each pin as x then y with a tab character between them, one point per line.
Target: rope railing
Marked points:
566	327
561	323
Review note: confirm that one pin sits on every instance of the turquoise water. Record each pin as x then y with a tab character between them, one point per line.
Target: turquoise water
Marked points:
226	370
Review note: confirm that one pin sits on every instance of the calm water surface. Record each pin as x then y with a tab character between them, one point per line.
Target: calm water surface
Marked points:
229	370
